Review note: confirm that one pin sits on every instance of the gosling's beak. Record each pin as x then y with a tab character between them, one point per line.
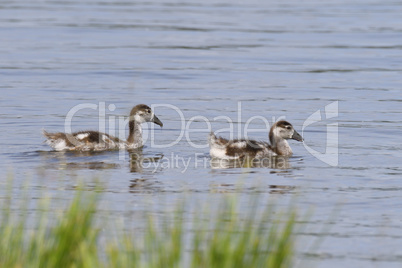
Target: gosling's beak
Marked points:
297	136
156	120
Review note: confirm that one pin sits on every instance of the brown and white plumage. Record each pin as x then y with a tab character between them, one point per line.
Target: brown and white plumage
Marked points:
235	149
98	141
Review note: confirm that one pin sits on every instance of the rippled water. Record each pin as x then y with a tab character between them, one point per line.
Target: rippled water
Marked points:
216	58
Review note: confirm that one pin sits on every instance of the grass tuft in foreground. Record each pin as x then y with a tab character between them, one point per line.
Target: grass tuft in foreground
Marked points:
223	237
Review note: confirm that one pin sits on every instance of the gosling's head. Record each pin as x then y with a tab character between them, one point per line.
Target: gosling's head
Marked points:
283	130
143	113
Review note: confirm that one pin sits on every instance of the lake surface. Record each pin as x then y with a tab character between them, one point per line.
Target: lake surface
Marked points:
286	59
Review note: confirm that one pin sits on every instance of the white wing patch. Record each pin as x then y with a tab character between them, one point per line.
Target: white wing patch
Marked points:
217	152
239	144
60	145
82	136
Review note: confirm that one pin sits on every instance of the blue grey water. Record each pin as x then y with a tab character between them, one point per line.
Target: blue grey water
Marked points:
239	59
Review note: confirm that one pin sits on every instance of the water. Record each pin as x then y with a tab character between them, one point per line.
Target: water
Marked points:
272	59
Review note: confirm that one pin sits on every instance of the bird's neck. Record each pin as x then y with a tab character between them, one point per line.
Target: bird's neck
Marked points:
135	134
281	146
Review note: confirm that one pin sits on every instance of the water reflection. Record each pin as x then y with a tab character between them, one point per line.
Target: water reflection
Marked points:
70	154
235	188
64	160
97	165
276	162
144	185
141	164
70	160
281	189
147	166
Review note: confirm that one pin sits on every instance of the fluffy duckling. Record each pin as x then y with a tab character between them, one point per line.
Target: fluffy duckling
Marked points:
98	141
280	132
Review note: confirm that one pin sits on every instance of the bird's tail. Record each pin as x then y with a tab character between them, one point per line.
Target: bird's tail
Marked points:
212	139
45	133
217	142
50	136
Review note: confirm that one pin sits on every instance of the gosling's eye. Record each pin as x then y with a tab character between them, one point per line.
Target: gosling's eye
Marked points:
148	111
287	127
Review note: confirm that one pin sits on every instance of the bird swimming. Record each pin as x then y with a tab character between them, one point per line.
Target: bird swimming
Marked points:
98	141
279	133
